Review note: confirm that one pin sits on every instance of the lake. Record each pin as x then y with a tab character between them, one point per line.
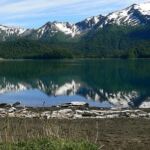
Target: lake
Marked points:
101	83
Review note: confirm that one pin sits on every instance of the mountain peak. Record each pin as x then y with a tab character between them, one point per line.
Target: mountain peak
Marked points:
55	27
132	15
136	14
144	8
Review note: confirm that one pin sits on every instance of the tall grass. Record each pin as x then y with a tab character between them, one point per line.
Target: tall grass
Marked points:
17	134
107	134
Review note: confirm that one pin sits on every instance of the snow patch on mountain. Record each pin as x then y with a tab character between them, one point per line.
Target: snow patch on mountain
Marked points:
89	23
118	17
12	30
7	32
55	27
144	8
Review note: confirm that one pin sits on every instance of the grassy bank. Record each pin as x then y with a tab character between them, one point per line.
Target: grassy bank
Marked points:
48	144
110	134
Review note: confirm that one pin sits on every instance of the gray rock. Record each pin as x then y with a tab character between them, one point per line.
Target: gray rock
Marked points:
16	104
65	113
5	105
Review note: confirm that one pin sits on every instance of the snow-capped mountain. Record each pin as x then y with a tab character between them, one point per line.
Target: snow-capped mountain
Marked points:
51	28
136	14
133	15
6	32
54	27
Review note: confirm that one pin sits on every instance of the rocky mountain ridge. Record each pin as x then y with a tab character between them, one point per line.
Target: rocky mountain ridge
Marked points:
134	15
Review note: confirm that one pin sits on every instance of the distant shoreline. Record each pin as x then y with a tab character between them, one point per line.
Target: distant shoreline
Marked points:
53	59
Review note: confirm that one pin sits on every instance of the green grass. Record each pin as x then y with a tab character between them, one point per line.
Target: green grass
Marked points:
49	144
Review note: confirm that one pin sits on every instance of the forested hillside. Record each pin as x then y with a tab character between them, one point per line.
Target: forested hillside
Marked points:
120	34
110	42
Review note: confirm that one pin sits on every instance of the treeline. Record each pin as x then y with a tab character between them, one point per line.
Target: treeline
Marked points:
109	42
29	49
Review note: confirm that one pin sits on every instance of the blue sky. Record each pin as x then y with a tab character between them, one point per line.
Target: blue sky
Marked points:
34	13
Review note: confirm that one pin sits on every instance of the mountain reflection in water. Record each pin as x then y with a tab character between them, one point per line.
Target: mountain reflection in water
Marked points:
103	83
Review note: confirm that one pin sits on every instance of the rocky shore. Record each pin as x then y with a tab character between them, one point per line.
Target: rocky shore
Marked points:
74	110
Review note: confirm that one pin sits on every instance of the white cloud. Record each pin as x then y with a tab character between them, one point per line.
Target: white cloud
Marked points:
20	6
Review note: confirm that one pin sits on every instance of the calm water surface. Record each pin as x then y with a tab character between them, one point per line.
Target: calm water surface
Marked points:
103	83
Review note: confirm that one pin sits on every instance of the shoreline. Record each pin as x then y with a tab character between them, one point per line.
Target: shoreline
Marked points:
71	111
70	59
